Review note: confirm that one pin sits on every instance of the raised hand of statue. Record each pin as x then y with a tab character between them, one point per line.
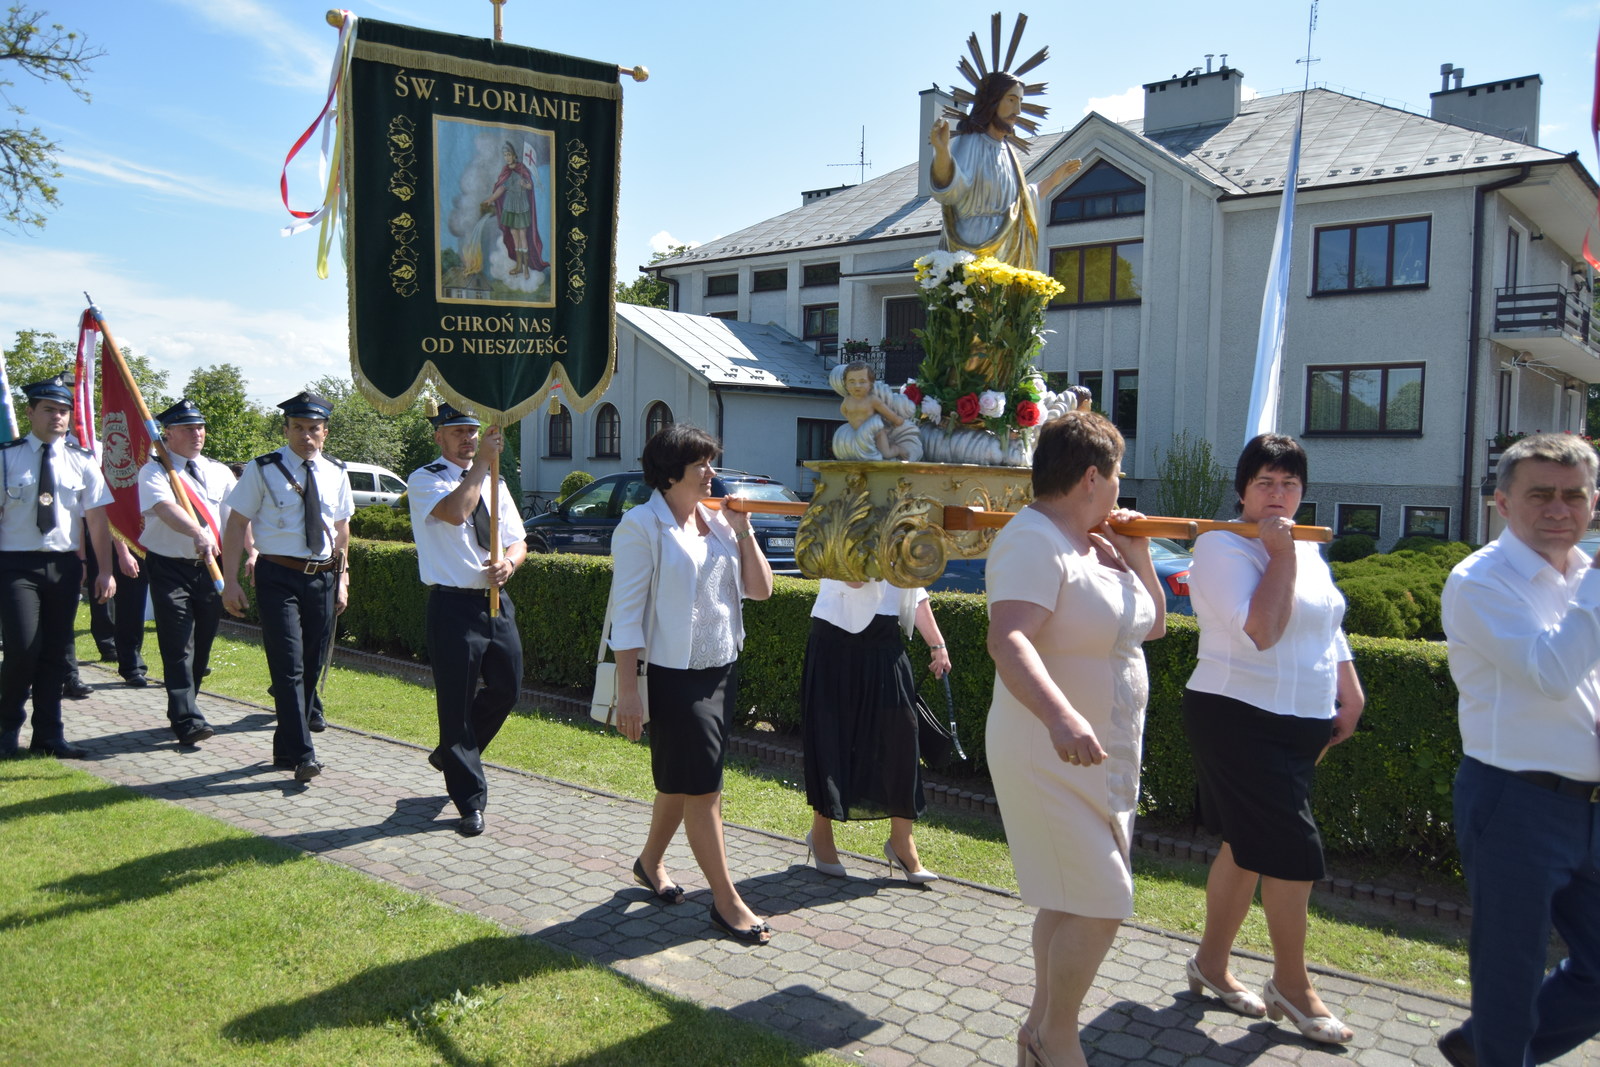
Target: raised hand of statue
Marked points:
939	136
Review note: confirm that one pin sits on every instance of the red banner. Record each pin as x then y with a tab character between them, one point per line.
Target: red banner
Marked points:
125	445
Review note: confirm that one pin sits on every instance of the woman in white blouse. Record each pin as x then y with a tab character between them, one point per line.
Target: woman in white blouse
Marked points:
679	571
1274	688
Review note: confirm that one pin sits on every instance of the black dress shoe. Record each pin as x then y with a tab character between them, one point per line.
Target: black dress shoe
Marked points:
1457	1050
75	690
307	770
136	681
200	733
316	723
59	749
471	824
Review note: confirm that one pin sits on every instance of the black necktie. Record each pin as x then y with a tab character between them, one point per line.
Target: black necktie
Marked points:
192	471
480	519
316	543
46	516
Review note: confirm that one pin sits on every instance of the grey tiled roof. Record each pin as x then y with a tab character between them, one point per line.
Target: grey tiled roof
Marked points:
1344	140
724	352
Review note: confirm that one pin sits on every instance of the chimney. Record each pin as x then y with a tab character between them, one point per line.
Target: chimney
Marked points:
1508	109
934	101
1193	99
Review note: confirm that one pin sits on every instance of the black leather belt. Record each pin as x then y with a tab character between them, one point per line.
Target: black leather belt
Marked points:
304	566
1566	787
193	561
458	590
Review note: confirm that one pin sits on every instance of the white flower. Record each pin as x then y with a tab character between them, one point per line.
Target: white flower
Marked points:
963	257
965	304
958	287
931	409
991	404
930	281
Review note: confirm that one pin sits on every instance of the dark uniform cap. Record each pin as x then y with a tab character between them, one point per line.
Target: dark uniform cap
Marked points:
306	406
449	416
183	413
58	389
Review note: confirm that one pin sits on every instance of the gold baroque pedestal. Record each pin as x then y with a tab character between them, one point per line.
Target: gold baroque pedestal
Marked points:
886	520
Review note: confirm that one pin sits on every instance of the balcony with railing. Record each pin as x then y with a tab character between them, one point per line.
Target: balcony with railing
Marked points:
1553	324
892	362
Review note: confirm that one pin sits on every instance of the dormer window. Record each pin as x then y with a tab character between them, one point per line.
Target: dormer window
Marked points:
1103	192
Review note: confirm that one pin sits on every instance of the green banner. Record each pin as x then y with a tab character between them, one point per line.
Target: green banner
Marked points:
482	185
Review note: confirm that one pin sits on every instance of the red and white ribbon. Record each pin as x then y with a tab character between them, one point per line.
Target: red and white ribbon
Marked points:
329	162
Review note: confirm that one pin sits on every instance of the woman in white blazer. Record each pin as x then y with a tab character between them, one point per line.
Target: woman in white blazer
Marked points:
679	572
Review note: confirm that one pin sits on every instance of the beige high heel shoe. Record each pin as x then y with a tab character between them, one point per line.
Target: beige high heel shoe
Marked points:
1240	1000
1325	1029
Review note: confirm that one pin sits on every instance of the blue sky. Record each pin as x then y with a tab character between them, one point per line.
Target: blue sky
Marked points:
170	210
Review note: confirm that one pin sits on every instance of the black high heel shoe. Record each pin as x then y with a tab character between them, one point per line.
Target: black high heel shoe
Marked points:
755	935
667	894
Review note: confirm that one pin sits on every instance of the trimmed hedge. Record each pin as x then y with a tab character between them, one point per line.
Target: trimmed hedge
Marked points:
1385	792
380	522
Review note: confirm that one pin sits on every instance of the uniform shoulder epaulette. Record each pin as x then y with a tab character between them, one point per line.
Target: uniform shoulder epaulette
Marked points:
336	462
270	457
78	448
13	443
435	468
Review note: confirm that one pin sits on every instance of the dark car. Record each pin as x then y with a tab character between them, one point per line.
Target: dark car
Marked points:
1172	562
584	521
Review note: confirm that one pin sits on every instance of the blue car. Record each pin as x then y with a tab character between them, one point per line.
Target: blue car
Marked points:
1172	562
584	522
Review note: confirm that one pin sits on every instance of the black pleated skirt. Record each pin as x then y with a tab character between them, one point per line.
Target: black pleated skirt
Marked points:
1254	772
691	712
859	723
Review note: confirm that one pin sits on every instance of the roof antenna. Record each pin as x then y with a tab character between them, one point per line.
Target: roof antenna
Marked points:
862	161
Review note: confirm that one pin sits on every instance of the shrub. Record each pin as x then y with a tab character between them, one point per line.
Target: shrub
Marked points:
572	483
380	522
1351	547
1383	793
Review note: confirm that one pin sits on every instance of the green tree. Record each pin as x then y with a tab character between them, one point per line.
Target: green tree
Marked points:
649	290
35	356
358	432
28	169
1191	484
237	428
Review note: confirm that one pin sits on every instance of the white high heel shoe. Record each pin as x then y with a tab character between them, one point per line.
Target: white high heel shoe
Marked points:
915	877
1240	1000
1325	1029
835	869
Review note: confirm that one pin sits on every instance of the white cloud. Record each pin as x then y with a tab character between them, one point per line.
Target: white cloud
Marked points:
295	56
1120	107
280	349
167	183
662	241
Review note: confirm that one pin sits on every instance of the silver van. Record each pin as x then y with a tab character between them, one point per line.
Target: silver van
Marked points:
371	484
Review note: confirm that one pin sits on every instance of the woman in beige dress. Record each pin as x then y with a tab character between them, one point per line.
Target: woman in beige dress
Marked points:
1070	604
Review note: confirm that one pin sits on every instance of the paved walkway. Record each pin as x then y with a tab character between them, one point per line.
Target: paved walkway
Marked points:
870	968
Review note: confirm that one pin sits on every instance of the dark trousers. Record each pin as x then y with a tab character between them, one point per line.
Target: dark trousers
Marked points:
38	600
119	622
1532	859
297	618
188	609
464	646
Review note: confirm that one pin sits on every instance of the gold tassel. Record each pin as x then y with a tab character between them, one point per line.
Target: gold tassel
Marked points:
430	407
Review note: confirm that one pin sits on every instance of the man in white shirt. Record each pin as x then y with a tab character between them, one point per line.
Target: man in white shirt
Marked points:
296	505
450	519
48	486
178	545
1522	616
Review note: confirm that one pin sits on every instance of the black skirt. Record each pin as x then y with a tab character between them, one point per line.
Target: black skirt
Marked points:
691	712
1254	772
859	723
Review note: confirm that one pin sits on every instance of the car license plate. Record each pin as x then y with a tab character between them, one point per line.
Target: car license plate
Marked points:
780	542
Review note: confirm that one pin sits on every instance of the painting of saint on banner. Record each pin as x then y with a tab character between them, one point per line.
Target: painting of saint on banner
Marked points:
495	204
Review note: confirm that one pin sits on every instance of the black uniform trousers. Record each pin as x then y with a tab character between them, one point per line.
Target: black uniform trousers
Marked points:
188	609
120	620
297	617
464	645
38	603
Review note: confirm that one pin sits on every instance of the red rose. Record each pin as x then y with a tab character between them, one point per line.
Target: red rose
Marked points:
1027	413
967	408
911	390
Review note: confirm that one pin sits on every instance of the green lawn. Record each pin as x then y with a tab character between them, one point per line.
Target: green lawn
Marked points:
1366	939
133	931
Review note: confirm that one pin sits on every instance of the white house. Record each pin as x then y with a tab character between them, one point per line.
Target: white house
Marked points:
760	389
1439	297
